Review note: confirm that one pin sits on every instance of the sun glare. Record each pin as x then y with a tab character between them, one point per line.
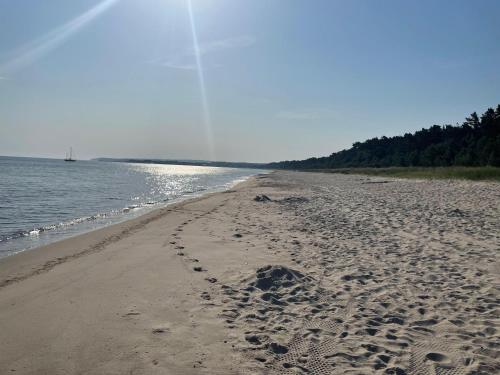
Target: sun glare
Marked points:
41	46
207	121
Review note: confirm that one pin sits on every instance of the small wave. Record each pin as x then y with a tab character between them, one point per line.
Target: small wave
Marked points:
78	220
13	236
131	207
40	230
32	232
194	191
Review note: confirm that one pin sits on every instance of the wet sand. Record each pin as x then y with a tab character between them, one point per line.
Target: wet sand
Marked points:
322	274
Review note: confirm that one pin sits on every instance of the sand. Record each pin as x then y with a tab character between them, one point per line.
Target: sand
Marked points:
286	273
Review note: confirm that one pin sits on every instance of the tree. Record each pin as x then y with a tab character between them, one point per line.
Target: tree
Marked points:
475	142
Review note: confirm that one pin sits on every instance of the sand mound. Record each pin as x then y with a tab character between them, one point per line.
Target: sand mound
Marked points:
276	277
262	198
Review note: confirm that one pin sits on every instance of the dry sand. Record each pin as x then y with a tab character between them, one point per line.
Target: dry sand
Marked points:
332	275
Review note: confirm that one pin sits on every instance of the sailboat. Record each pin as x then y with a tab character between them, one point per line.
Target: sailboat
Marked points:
70	157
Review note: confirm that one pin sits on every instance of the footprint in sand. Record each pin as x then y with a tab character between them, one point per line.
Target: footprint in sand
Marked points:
159	330
436	357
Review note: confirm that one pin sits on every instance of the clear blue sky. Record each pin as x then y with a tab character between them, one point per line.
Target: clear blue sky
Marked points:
283	79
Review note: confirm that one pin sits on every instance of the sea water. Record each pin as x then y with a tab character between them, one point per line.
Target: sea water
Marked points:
46	200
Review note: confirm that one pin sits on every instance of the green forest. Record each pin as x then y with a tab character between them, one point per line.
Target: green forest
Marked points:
476	142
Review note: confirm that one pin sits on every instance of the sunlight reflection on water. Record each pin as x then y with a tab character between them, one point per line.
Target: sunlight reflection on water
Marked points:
46	200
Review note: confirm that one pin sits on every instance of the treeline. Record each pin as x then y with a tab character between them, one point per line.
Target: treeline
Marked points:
474	143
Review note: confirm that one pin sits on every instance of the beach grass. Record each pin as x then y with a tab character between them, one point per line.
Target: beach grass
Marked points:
464	173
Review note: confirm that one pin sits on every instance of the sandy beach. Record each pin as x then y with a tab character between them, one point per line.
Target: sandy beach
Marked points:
287	273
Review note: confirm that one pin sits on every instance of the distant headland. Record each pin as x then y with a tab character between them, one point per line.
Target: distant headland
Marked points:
203	163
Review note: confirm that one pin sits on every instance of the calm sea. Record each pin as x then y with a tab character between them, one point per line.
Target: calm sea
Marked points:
45	200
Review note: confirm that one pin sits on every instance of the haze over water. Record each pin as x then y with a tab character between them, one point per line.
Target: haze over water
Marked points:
45	200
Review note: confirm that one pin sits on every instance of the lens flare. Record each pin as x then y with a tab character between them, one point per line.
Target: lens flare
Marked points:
40	47
207	121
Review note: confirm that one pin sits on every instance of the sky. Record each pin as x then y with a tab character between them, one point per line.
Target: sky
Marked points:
238	80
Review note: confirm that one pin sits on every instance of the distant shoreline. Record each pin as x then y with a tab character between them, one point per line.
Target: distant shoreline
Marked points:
200	163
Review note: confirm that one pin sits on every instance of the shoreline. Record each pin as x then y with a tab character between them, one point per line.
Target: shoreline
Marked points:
118	219
285	273
86	242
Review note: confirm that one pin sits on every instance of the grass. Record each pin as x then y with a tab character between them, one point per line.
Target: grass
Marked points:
463	173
